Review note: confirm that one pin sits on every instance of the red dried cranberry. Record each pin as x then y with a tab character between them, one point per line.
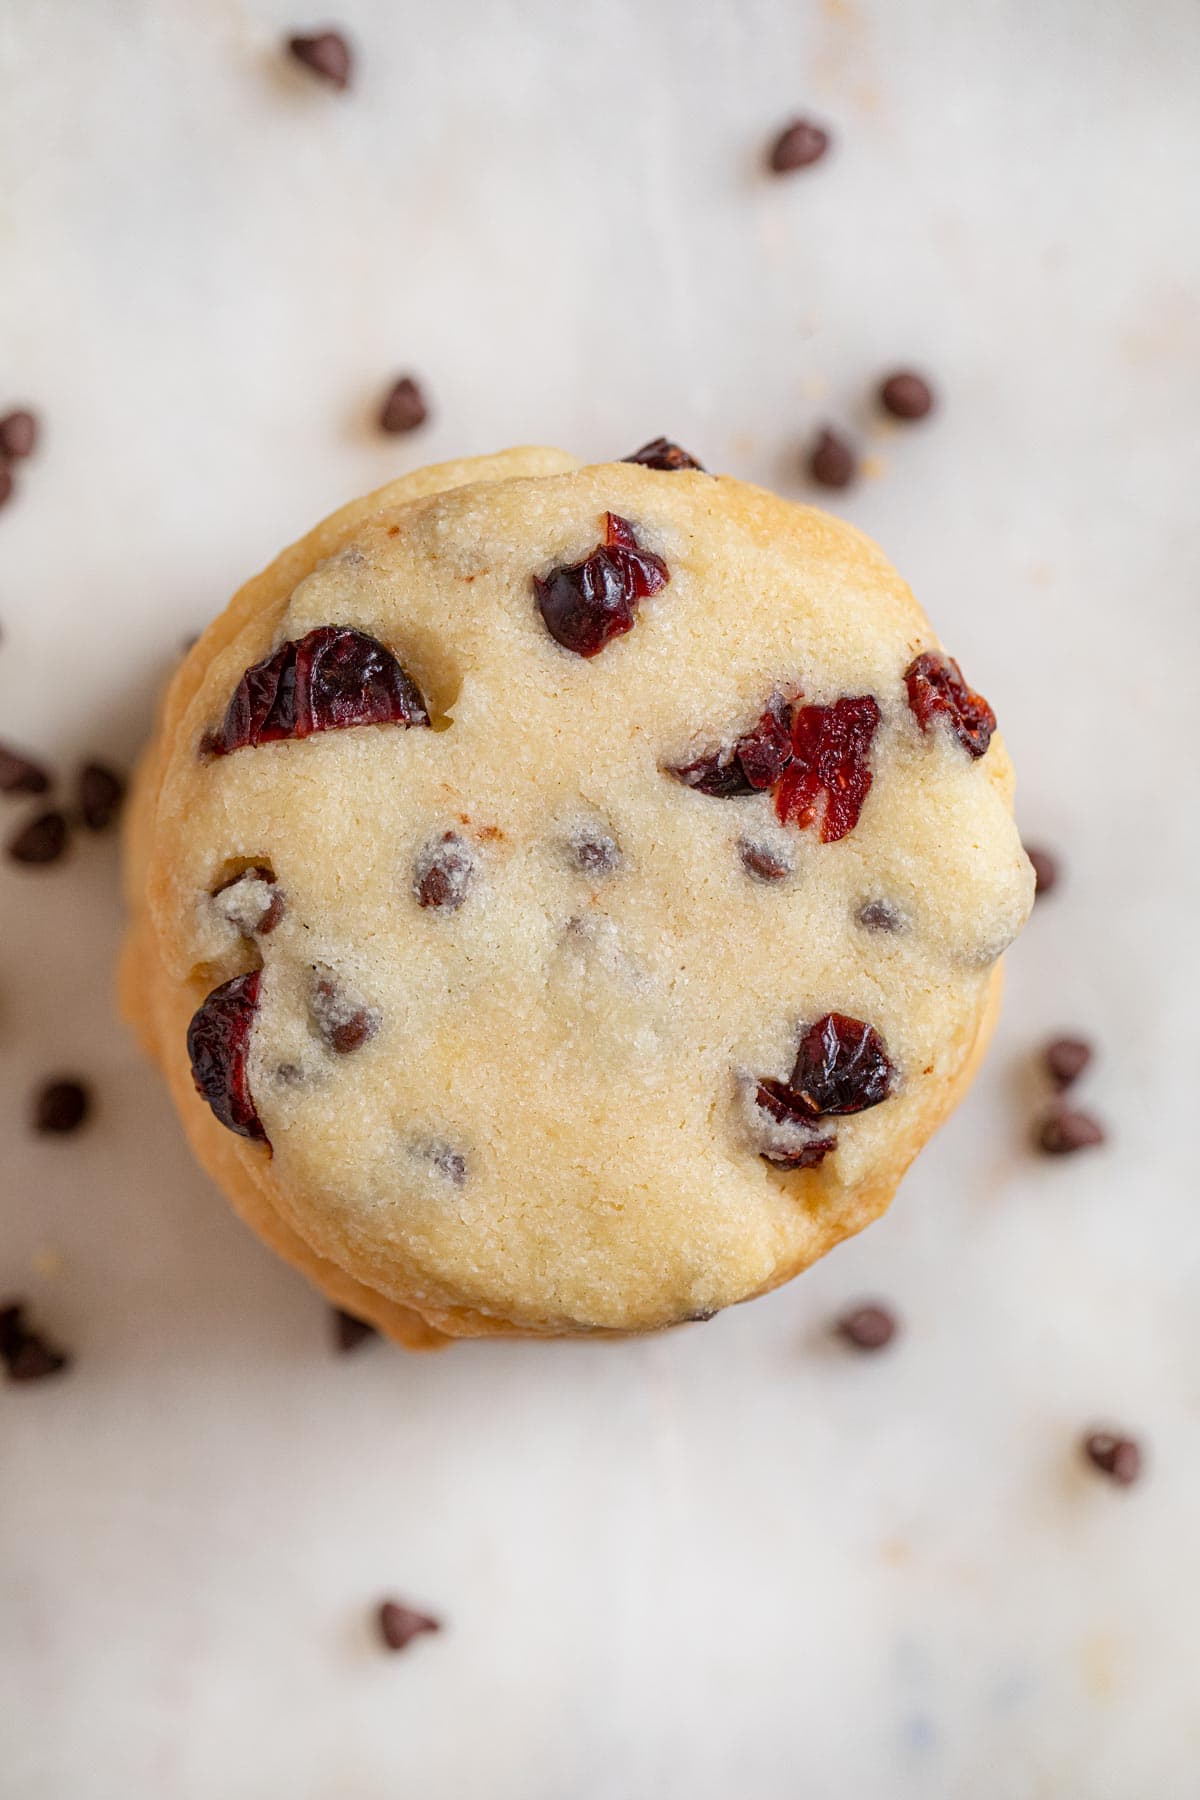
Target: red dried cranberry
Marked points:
828	778
330	679
937	692
586	604
218	1042
661	453
841	1067
755	762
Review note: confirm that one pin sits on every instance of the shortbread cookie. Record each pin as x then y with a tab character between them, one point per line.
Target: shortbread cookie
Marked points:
565	899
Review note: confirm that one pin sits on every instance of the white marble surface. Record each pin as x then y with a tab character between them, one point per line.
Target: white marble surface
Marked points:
733	1562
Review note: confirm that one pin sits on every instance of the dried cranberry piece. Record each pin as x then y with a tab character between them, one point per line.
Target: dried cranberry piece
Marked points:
218	1042
586	604
828	778
937	692
804	1147
755	762
841	1067
330	679
661	453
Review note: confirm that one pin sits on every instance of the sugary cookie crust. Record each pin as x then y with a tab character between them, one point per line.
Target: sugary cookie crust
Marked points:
545	1132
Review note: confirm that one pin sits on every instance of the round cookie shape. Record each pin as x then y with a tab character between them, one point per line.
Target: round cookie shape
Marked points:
599	877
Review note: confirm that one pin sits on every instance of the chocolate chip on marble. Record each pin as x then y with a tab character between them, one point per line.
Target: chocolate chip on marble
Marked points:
101	791
869	1327
25	1353
7	484
797	146
762	863
400	1624
61	1106
20	774
444	872
404	408
832	460
1118	1457
1065	1060
18	434
906	395
326	53
1046	870
1066	1130
42	840
349	1331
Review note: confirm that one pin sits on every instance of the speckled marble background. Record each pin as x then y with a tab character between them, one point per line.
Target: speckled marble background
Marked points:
737	1561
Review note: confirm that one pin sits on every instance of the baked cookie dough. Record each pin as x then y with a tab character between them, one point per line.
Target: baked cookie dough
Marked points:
565	899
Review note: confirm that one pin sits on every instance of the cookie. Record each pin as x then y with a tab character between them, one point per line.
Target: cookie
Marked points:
564	899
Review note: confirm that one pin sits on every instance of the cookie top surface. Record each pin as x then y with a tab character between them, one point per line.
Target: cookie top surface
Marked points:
504	975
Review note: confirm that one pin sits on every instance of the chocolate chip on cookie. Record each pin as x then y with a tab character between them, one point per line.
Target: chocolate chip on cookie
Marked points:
762	863
326	54
444	873
400	1624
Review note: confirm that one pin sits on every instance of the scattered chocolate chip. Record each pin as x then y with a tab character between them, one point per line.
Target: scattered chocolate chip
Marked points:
101	791
832	461
42	840
331	679
404	408
762	863
867	1327
798	146
348	1331
61	1106
661	453
20	775
18	434
906	395
1120	1458
6	484
25	1353
1066	1059
1045	870
399	1624
326	53
344	1021
877	915
252	902
1066	1130
595	854
585	605
444	873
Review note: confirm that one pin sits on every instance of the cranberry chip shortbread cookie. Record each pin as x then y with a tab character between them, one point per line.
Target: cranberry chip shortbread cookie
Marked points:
566	899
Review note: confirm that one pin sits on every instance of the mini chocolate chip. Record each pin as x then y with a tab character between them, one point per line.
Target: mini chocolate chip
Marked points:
101	791
1045	870
832	461
1066	1059
252	902
1120	1458
798	146
906	395
400	1624
762	863
702	1317
877	915
661	453
343	1019
444	873
42	840
348	1331
18	434
61	1106
404	408
25	1354
326	53
6	484
447	1162
1066	1130
867	1327
19	775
